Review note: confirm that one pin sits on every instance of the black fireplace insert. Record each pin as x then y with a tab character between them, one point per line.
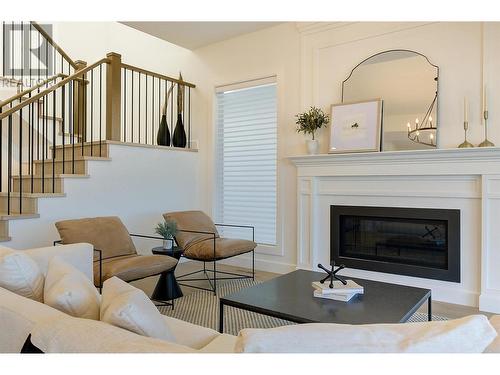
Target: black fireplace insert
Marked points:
419	242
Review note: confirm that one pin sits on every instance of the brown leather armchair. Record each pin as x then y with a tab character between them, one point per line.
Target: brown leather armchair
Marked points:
118	255
197	235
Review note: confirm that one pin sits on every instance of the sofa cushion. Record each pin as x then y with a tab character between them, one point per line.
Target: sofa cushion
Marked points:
194	221
471	334
133	267
128	307
14	329
20	274
76	335
221	344
224	248
70	291
189	334
107	234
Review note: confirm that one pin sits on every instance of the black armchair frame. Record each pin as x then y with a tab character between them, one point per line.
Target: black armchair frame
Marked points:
182	279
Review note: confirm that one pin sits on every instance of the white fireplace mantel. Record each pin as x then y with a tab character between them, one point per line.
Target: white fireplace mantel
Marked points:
465	179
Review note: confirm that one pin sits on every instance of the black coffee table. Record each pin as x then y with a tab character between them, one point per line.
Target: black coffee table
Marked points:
290	297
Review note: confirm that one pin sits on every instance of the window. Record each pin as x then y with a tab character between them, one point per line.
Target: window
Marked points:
246	158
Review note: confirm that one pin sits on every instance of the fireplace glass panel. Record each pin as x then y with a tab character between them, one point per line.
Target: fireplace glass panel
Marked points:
395	240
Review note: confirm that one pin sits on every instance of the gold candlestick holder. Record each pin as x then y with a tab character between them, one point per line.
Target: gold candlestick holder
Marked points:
486	142
465	143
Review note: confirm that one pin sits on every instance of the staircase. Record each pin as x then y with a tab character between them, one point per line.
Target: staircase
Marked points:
43	184
52	126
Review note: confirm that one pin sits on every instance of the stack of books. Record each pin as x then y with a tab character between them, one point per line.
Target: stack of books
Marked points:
339	292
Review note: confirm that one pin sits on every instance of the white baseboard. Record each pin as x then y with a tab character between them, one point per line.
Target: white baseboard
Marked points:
260	264
489	303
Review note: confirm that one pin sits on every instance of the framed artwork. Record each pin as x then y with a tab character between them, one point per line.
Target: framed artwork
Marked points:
356	127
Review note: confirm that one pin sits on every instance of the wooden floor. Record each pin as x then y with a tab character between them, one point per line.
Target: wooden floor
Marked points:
438	308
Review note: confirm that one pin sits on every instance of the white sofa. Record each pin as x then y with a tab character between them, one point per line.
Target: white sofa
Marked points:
19	316
54	331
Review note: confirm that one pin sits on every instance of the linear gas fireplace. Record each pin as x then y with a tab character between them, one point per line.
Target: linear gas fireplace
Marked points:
406	241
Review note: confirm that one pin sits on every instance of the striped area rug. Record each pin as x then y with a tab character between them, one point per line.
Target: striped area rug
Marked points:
202	308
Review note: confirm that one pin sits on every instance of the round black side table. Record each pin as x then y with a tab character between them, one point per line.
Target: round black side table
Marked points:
167	288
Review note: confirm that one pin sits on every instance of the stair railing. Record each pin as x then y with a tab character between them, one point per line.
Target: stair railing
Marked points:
150	98
61	120
52	130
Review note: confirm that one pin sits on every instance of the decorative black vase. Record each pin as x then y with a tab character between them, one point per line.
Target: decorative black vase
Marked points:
163	137
179	137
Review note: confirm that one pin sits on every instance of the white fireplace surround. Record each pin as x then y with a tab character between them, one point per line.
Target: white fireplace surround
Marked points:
465	179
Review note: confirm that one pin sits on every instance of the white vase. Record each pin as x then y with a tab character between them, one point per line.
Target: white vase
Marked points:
312	146
167	244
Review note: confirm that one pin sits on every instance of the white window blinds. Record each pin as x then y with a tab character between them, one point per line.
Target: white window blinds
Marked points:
246	160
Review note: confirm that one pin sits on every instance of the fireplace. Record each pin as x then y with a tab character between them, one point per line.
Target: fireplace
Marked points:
417	242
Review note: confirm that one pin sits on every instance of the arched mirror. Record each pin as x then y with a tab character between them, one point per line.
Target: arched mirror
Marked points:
407	83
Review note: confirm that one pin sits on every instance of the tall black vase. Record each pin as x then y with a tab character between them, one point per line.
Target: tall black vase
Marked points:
179	137
163	137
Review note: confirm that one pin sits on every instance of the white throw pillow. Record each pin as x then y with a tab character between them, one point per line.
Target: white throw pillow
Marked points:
20	274
68	290
471	334
129	308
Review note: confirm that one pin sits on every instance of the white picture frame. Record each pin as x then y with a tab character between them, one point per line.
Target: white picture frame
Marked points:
356	126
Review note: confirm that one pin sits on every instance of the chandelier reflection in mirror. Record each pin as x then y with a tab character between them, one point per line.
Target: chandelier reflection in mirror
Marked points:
407	82
424	132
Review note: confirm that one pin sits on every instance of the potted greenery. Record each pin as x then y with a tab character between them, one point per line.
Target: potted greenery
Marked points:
167	230
310	121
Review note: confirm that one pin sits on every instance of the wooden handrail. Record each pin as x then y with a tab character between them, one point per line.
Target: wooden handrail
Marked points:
72	77
26	92
157	75
54	44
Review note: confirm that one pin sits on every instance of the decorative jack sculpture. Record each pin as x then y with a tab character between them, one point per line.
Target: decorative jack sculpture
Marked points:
332	275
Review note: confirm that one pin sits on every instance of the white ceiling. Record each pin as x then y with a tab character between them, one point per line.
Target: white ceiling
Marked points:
193	35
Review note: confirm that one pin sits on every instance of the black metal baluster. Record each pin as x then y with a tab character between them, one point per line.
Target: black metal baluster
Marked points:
44	140
139	109
189	113
132	110
92	112
146	110
53	142
100	110
159	104
1	146
124	105
32	144
9	163
171	110
153	102
20	161
83	103
63	126
73	129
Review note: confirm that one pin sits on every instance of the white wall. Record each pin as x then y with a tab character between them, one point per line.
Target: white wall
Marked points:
312	59
273	51
138	185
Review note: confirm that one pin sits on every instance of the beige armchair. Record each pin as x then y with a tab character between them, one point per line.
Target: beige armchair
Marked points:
198	237
119	256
